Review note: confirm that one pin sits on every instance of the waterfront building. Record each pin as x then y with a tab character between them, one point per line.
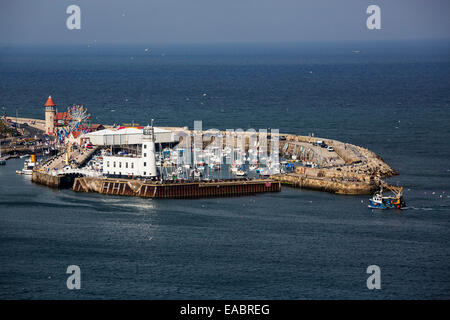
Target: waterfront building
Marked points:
130	153
127	136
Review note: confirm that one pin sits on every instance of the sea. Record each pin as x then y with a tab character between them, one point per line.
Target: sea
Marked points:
391	97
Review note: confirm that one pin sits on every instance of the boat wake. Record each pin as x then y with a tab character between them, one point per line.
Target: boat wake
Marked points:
425	209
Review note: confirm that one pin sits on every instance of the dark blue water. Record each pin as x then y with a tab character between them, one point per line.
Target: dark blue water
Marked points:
392	98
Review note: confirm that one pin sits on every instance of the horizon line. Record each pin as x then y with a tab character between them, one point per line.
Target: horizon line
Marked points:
213	43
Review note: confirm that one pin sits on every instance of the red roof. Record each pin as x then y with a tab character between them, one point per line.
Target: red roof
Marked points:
49	102
63	116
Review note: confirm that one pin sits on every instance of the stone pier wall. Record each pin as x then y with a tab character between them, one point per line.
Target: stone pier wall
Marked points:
327	185
57	182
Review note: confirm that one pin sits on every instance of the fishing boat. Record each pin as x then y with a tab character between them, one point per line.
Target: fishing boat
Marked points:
380	201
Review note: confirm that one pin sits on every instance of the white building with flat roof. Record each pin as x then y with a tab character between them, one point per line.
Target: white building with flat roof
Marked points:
143	165
117	137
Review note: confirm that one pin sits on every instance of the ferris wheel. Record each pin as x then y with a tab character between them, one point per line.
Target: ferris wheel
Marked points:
78	117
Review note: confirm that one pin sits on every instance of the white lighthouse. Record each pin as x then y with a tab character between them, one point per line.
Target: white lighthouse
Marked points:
148	152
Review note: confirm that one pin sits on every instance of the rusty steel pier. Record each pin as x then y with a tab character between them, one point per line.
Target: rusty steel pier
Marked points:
175	189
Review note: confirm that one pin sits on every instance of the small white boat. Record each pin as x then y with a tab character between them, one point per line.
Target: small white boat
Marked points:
197	174
273	170
28	166
241	173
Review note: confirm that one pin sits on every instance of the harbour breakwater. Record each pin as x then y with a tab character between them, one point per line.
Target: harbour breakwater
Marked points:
355	171
353	181
347	187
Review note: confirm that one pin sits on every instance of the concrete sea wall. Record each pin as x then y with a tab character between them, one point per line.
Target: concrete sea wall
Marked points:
57	182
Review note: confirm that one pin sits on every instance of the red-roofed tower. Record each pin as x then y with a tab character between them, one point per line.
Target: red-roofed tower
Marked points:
50	116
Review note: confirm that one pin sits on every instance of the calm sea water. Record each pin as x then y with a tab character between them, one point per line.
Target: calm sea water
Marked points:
392	98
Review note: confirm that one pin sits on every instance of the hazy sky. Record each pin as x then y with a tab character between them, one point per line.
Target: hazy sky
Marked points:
206	21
